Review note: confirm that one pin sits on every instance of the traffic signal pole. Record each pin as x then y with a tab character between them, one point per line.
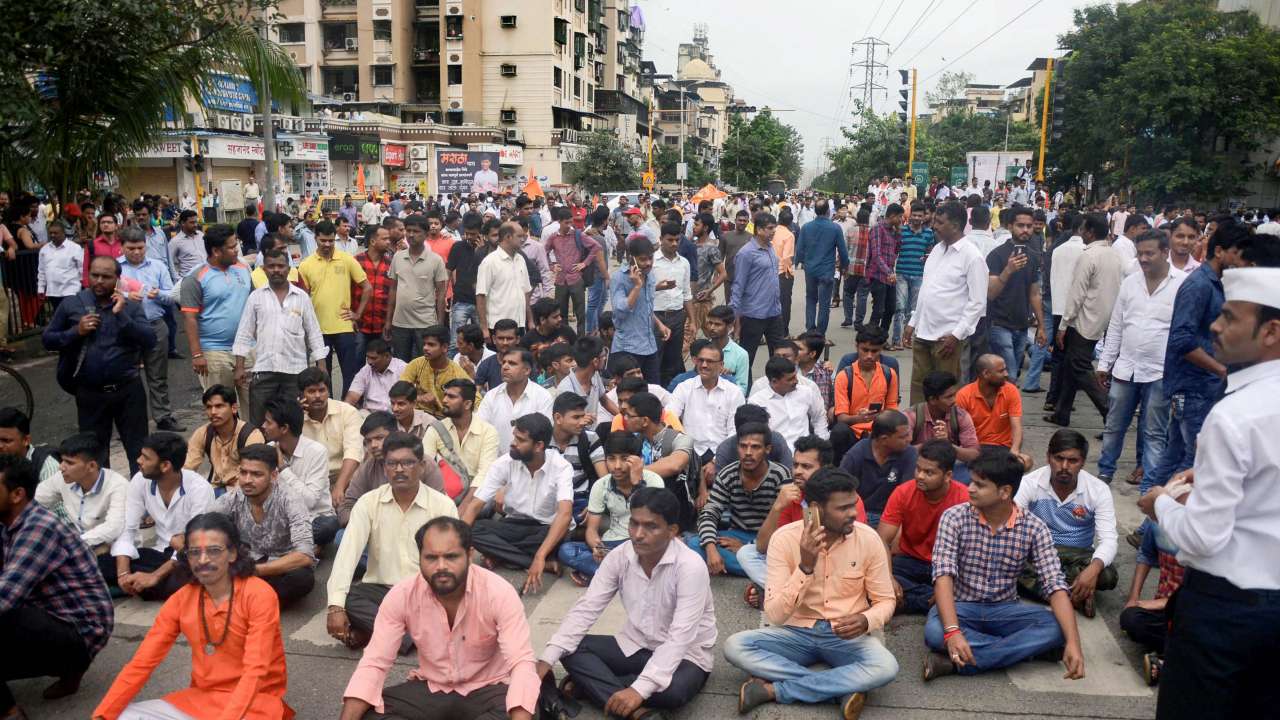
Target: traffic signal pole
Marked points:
1044	119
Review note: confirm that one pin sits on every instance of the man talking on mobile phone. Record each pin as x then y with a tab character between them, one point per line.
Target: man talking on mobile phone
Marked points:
1013	293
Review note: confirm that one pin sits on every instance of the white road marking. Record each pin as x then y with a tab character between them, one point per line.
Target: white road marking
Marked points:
1107	670
316	631
135	611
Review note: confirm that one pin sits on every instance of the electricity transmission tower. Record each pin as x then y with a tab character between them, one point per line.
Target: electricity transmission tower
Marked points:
864	59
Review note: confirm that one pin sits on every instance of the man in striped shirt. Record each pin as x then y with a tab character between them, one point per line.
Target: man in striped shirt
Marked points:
745	489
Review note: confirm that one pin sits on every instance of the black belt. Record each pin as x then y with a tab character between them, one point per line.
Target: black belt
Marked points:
668	312
1203	582
109	388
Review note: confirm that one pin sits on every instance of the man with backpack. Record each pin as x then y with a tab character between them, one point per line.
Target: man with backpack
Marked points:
578	445
573	262
939	418
221	439
461	444
862	390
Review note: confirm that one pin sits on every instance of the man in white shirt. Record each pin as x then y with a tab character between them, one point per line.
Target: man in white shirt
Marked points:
1132	358
537	503
1078	509
671	301
170	496
952	298
86	495
60	267
251	193
1134	227
668	642
980	231
515	397
1227	530
795	410
381	370
503	290
705	403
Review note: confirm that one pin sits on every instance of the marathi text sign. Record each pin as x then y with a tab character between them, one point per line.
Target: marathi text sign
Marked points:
466	171
229	93
236	149
393	155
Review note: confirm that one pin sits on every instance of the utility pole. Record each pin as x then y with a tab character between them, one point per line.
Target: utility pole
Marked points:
1044	119
867	48
911	149
683	119
268	133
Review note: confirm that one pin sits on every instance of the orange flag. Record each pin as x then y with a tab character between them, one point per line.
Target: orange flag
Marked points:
532	188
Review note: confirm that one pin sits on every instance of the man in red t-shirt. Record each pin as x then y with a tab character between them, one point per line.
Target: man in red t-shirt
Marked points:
811	454
911	518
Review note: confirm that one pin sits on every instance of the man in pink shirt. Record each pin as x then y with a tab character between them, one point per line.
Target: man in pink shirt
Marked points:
472	640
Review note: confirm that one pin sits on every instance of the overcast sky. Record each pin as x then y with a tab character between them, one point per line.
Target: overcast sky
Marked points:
797	54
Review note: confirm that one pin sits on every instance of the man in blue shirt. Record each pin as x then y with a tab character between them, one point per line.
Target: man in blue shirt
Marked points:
146	280
756	295
636	328
816	248
212	298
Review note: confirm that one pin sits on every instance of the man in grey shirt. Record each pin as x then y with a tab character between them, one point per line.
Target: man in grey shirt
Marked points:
186	248
281	543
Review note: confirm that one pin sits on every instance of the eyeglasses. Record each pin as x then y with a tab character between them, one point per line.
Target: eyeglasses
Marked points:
401	464
213	552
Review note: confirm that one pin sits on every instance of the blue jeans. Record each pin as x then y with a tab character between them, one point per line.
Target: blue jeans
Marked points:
463	313
783	655
817	300
1186	416
1000	634
1010	345
349	360
578	556
731	564
1125	397
755	564
855	291
916	578
908	289
595	303
1039	356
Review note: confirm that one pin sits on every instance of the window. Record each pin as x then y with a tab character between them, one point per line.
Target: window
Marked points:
382	74
621	83
577	87
557	78
580	5
562	31
455	74
382	30
453	27
672	139
508	21
624	20
292	33
591	93
508	70
508	116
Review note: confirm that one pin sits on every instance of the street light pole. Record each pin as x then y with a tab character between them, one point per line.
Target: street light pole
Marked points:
268	132
683	120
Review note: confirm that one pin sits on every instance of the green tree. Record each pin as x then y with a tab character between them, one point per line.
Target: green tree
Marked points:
950	85
667	157
1167	99
759	150
605	165
872	149
90	84
946	143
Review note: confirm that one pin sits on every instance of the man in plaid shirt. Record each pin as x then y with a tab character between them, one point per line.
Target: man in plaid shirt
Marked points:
977	623
855	281
55	611
882	258
376	262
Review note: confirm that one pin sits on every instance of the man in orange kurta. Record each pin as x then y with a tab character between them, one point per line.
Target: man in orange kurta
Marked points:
237	653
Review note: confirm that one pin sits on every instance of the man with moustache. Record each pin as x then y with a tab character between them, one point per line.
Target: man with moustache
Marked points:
382	525
231	622
474	656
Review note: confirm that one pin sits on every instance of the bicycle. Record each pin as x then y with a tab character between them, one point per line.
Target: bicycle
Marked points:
15	391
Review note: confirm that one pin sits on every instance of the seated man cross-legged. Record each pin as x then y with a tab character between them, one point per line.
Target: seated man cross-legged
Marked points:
829	587
977	623
663	655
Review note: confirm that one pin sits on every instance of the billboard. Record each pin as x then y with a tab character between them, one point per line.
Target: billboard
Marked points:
229	93
466	171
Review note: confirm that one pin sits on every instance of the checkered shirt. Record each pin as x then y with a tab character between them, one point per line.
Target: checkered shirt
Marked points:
375	315
821	376
882	252
858	245
985	564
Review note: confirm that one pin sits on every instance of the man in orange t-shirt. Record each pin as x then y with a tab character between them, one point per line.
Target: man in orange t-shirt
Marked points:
862	391
995	405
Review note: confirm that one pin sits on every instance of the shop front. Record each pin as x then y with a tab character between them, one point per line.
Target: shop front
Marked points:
349	156
304	166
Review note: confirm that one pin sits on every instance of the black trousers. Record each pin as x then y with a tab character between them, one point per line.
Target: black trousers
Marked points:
753	331
1145	627
884	302
147	561
324	529
265	385
37	644
413	700
671	352
509	540
1078	374
124	406
291	586
599	669
1216	662
1055	362
363	602
785	287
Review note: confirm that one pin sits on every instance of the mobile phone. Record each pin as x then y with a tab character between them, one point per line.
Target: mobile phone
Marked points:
1018	250
812	513
875	407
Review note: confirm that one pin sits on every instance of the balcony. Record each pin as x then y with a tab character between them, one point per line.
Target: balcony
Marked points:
343	94
338	8
426	56
616	102
565	136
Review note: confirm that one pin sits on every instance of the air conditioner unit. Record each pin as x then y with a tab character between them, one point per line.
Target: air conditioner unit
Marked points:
348	97
237	122
419	166
508	70
515	135
418	152
224	121
350	43
250	122
508	21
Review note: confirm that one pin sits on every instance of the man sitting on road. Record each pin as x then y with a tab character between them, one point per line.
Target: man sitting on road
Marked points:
433	369
828	588
335	425
274	522
369	388
995	405
881	462
537	489
382	525
237	653
706	403
795	409
746	491
221	439
939	418
85	495
663	656
403	399
372	472
303	464
863	390
910	520
467	444
627	387
497	679
1078	509
667	452
578	445
977	623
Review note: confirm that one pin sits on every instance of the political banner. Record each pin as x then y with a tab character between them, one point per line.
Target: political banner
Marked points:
466	171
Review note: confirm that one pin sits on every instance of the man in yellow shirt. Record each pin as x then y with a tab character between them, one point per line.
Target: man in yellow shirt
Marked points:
328	275
430	372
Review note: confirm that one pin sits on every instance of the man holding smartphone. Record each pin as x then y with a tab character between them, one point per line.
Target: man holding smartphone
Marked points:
1013	293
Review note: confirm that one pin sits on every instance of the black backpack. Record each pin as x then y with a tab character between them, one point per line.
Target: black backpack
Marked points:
41	453
535	275
242	439
585	447
922	411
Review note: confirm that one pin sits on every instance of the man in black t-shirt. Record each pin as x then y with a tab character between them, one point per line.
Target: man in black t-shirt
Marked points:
1013	292
247	231
462	265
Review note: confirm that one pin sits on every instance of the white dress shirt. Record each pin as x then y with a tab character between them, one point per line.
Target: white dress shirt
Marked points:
1063	267
1095	285
98	515
674	269
193	497
1139	329
670	614
503	280
1230	526
531	495
307	472
1068	519
499	410
286	335
792	415
60	269
707	414
953	293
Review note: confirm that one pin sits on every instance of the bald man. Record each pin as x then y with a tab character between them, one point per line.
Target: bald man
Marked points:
995	405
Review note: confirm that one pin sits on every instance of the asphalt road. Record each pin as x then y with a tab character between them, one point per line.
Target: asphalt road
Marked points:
320	667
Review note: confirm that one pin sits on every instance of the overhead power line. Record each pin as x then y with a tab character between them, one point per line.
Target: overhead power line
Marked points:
873	19
891	17
933	39
962	55
914	26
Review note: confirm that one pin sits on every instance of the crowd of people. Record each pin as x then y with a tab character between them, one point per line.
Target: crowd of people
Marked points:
558	387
